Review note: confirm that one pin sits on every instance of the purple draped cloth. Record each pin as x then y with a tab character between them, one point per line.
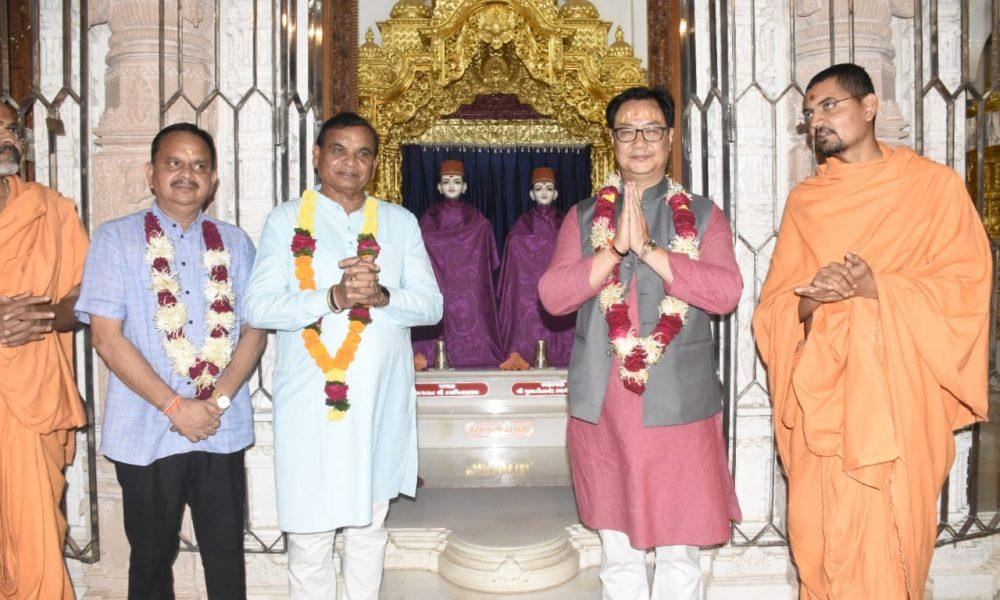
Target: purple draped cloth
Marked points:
463	254
523	320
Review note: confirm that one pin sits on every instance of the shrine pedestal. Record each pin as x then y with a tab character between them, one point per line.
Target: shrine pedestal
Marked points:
496	540
483	430
492	428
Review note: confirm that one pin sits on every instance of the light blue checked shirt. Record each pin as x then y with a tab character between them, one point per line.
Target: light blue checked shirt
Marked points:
116	285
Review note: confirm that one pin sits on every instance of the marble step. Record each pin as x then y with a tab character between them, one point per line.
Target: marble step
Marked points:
500	540
494	467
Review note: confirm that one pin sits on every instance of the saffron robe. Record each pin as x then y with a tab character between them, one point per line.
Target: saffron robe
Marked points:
864	408
42	250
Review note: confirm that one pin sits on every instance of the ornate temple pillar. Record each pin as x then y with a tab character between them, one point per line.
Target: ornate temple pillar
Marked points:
132	84
123	134
873	49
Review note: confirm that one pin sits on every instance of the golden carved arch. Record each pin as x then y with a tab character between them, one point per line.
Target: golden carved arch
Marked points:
434	61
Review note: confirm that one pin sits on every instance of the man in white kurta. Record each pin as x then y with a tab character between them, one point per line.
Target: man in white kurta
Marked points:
341	474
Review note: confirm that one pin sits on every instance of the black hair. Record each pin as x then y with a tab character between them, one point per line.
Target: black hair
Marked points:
187	128
853	78
343	121
662	98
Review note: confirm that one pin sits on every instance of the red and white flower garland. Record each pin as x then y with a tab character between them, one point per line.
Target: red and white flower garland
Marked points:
205	365
637	354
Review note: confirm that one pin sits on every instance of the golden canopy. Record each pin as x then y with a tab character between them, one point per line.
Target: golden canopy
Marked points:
433	61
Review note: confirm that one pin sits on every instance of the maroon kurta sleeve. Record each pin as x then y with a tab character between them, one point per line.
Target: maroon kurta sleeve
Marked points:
713	282
564	286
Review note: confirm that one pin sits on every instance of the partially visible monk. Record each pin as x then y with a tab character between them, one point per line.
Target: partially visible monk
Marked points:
42	249
873	323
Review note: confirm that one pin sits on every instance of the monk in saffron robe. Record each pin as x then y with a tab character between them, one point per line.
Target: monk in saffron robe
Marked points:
873	323
526	254
42	249
464	255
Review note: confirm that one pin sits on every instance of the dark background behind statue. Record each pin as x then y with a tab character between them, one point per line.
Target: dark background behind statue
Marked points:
499	179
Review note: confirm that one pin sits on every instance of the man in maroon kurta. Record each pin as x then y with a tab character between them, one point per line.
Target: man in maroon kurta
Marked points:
463	252
529	247
641	479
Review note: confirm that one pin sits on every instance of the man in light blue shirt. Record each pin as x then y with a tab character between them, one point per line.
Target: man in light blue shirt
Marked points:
338	465
163	292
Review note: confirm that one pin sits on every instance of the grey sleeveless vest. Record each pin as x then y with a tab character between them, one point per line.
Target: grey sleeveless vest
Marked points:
683	386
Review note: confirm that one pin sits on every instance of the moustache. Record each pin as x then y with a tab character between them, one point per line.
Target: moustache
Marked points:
10	160
184	183
824	131
8	147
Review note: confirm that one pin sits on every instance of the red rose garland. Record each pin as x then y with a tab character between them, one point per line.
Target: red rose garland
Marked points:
636	353
205	366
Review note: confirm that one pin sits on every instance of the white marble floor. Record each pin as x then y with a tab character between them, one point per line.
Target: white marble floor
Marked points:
421	585
499	517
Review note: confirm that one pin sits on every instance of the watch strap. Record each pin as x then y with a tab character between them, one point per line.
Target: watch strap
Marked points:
648	247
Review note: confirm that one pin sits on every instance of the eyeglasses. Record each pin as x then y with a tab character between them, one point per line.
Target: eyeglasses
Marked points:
17	131
628	134
826	107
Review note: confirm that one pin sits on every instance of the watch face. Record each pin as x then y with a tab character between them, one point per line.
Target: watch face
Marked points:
223	402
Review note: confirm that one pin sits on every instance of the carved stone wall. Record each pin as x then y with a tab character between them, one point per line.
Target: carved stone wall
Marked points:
132	93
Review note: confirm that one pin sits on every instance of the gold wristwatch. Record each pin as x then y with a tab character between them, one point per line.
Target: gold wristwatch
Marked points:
648	247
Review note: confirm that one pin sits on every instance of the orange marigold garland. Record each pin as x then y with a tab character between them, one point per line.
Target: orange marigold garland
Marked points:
303	247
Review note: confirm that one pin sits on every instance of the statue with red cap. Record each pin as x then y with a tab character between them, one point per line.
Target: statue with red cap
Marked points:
529	247
464	255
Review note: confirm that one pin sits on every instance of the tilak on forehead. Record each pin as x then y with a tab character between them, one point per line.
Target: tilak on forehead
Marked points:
639	112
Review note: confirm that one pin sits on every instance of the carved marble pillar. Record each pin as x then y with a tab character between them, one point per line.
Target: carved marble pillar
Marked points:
873	50
132	81
123	134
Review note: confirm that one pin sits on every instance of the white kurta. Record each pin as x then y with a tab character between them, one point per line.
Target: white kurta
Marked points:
329	473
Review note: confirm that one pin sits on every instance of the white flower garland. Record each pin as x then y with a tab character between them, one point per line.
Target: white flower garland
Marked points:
614	291
170	319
